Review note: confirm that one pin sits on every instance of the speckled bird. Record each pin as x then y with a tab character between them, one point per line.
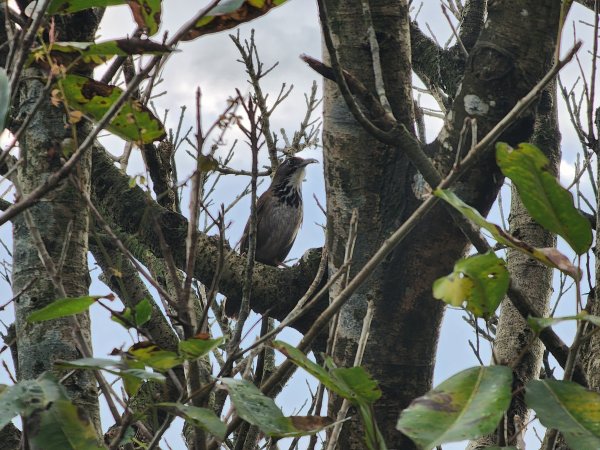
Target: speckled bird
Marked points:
279	213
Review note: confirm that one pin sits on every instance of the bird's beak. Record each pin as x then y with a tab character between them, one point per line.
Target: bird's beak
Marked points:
308	161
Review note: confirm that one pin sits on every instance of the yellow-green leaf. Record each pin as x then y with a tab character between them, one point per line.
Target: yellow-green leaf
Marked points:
481	281
153	356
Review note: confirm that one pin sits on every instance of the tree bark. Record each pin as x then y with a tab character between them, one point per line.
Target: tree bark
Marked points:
62	220
361	173
513	336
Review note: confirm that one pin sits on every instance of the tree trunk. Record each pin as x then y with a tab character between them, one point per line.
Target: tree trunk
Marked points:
534	279
361	173
62	220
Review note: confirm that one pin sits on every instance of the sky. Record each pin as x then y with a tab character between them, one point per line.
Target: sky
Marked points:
210	63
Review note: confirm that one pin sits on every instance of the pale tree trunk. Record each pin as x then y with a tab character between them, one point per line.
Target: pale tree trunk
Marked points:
360	173
513	337
62	220
590	350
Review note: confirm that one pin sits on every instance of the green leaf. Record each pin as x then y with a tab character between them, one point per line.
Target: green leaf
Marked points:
131	371
28	396
569	408
194	348
146	14
143	312
153	356
547	201
353	383
87	55
202	418
133	122
65	427
90	363
364	389
124	318
258	409
537	324
71	6
467	405
480	280
229	14
63	307
4	98
548	256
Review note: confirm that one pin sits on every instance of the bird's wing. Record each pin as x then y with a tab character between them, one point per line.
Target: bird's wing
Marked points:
259	207
286	250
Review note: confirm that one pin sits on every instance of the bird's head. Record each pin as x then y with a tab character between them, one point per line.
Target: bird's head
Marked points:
291	171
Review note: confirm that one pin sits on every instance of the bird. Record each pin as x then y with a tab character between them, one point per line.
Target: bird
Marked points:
278	213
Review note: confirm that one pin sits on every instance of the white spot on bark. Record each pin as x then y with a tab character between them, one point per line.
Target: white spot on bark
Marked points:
524	12
420	188
474	106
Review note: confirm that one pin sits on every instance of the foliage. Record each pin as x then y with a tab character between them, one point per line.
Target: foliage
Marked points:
482	279
467	405
260	410
546	200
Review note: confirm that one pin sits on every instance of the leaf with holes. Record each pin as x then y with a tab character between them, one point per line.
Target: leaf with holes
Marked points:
546	200
133	122
467	405
481	281
229	14
568	407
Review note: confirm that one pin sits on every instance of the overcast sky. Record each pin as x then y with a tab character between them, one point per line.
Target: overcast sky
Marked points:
210	63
